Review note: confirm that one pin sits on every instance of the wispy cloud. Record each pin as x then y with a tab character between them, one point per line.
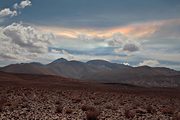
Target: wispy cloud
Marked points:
137	30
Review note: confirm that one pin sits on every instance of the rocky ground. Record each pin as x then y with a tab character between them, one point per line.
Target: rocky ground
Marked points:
36	103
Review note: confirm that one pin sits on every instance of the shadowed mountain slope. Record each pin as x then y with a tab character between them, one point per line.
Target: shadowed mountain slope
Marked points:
101	71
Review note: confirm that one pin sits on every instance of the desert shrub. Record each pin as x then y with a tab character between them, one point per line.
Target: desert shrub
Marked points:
150	109
176	116
14	105
108	106
129	114
1	108
69	111
98	102
25	105
141	111
76	100
58	103
92	115
59	109
2	102
87	108
167	110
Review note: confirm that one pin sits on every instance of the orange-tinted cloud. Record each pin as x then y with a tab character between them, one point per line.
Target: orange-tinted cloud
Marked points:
136	31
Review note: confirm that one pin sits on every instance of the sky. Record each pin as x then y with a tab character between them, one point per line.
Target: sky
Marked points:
130	32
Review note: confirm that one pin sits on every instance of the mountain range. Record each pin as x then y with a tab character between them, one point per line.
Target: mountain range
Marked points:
101	71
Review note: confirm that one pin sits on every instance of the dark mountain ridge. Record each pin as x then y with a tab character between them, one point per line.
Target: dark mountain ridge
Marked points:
101	71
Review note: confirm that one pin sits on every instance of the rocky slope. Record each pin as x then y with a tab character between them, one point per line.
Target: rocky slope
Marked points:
102	71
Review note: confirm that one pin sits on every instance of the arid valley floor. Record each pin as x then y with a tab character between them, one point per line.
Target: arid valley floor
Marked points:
34	97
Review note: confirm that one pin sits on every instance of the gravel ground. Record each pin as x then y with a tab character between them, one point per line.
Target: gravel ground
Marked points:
23	103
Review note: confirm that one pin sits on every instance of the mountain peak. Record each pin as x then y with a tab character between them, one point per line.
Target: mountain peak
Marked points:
60	60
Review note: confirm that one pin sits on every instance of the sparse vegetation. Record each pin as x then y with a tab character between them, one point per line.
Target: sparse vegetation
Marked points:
3	101
69	111
129	114
59	109
76	100
1	108
167	111
150	109
42	103
92	115
87	108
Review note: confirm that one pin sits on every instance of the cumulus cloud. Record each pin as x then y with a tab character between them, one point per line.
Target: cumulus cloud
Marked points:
123	43
152	63
7	12
22	4
23	42
130	47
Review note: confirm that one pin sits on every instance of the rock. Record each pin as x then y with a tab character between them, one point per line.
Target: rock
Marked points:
141	111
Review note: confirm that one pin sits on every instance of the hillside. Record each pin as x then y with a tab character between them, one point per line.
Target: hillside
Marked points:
102	71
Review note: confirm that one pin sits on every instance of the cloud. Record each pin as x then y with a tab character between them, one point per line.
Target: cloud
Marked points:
137	31
23	42
123	43
117	39
22	4
63	53
7	12
125	63
152	63
130	47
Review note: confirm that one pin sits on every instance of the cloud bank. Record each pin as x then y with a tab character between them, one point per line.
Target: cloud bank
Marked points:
23	42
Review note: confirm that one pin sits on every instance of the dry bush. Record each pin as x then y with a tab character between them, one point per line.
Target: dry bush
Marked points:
167	110
15	104
141	111
59	109
1	108
176	116
3	101
25	105
76	100
108	106
69	111
92	97
150	109
92	115
87	108
97	102
129	114
58	103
